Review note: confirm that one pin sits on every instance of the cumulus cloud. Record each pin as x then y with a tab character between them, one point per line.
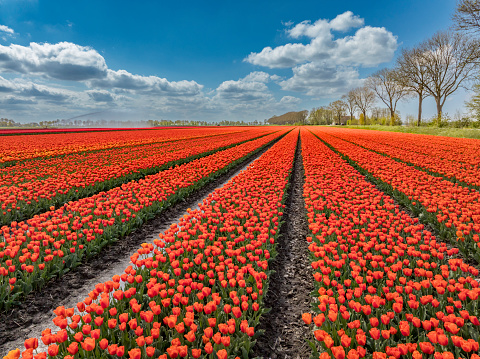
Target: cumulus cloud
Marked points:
327	66
323	27
68	61
12	101
244	91
45	93
260	76
250	97
251	88
290	100
321	80
124	80
375	45
62	61
346	21
28	89
369	47
100	95
5	29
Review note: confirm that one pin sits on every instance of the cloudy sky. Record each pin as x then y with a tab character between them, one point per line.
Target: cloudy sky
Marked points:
201	60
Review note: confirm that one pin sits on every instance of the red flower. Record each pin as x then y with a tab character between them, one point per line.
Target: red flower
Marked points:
374	333
426	347
88	344
135	353
31	343
53	350
338	352
307	318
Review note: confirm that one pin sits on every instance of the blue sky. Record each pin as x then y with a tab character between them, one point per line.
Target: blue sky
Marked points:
203	60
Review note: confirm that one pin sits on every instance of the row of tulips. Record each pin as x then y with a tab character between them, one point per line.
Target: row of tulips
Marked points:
463	167
453	210
32	187
24	147
47	245
198	290
44	131
385	286
463	150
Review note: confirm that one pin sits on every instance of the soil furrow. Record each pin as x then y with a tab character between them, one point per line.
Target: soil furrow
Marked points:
290	286
35	313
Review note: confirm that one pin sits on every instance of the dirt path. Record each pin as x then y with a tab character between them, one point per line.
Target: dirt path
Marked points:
35	313
291	284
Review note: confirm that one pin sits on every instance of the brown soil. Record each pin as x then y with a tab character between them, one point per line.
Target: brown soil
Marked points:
290	286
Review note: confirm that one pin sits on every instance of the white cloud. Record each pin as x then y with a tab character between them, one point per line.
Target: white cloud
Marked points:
260	76
326	66
369	46
290	100
346	21
6	29
124	80
244	91
68	61
250	98
63	61
251	88
101	95
322	80
323	27
28	89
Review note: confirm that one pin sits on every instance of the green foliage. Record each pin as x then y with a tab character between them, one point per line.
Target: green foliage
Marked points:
427	130
362	120
320	116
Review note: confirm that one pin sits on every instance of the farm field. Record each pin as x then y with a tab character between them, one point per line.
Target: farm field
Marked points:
239	242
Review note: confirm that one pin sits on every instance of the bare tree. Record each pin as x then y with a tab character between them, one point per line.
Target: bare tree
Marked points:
467	16
449	58
338	108
389	91
349	101
411	73
364	98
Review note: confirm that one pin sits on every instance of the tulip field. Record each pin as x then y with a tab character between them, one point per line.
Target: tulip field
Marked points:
390	237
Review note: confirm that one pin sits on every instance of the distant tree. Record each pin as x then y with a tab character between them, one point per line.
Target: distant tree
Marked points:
338	110
289	118
474	104
320	116
313	117
449	60
364	98
467	16
349	101
384	83
411	73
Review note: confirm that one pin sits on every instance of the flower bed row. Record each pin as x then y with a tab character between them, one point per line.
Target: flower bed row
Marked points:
198	290
453	210
32	187
455	167
463	150
385	286
44	131
47	245
23	147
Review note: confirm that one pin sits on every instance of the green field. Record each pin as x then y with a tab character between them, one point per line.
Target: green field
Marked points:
435	131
